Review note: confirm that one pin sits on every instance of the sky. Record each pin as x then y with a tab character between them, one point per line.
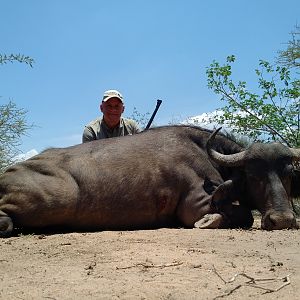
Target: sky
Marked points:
146	49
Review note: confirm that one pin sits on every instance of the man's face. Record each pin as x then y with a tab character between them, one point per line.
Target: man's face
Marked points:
112	110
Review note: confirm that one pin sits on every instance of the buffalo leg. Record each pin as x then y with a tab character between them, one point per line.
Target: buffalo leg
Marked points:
210	221
195	207
235	217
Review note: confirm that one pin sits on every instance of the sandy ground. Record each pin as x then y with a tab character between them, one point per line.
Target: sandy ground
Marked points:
152	264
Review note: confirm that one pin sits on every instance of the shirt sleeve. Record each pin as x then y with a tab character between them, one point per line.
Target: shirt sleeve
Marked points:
136	128
88	135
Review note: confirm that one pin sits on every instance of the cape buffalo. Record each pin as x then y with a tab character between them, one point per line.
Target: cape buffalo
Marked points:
161	177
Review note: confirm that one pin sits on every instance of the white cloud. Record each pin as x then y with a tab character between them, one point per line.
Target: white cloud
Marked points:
27	155
206	120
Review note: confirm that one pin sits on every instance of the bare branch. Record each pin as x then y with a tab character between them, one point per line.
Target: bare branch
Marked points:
147	265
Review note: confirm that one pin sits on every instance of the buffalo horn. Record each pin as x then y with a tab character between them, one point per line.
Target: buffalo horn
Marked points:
230	160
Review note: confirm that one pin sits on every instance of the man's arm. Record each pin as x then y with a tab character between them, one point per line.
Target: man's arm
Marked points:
88	135
136	128
132	126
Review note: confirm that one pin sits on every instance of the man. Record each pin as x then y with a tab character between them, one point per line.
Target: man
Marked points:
111	124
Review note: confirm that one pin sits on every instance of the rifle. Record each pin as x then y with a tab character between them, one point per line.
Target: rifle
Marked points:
158	103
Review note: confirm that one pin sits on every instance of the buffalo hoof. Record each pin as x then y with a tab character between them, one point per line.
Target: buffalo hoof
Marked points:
210	221
6	226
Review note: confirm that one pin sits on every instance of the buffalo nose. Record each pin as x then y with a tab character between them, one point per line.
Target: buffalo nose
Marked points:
277	221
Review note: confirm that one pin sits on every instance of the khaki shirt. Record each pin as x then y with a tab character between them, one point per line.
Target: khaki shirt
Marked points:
97	129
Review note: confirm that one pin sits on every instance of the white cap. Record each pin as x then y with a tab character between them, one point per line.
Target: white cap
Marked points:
112	94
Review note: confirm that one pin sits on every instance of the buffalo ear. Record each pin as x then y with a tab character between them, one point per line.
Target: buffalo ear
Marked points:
295	190
223	193
210	186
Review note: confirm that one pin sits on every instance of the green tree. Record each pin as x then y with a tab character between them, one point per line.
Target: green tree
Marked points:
16	58
140	118
290	57
13	122
13	125
271	115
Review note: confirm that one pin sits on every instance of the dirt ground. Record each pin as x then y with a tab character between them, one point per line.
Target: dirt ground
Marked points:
152	264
